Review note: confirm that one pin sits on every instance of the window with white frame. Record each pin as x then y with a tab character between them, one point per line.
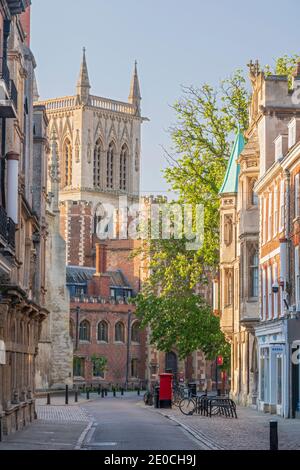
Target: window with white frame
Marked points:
264	294
270	217
275	295
263	218
297	278
281	205
270	292
296	191
275	215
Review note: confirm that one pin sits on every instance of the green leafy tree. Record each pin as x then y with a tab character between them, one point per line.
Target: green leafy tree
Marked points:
206	120
99	364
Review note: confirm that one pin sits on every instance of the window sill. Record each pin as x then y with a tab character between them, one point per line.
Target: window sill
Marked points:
101	342
84	341
119	342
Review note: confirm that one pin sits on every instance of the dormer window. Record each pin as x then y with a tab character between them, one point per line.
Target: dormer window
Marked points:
281	146
294	132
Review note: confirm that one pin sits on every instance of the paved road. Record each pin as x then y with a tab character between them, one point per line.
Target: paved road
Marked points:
126	424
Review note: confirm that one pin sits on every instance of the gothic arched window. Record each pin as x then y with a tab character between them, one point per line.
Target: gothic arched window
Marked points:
110	166
67	159
119	332
123	167
103	331
84	331
97	164
228	229
253	194
135	332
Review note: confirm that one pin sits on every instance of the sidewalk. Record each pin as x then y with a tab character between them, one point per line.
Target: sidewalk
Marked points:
249	432
58	427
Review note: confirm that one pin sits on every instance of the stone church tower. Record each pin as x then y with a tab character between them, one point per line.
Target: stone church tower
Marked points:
98	142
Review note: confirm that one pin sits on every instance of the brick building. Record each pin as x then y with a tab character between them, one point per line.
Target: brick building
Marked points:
103	325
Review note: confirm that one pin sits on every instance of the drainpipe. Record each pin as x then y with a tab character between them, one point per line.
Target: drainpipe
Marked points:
287	178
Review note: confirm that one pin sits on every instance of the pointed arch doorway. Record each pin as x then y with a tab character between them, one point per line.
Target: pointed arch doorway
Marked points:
172	363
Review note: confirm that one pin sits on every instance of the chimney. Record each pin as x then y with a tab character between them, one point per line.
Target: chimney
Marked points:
25	22
101	266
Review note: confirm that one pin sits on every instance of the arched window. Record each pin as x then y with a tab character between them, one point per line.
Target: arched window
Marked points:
84	331
67	158
253	265
135	332
253	194
123	167
110	166
228	229
134	368
229	287
103	331
97	164
119	332
98	216
72	329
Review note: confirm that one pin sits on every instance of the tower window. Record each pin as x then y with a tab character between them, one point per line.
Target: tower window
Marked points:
110	166
97	164
123	167
67	154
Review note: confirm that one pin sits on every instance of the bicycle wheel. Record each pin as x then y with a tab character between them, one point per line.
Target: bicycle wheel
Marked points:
187	406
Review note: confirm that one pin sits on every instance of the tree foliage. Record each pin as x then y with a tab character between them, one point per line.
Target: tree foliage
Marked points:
207	119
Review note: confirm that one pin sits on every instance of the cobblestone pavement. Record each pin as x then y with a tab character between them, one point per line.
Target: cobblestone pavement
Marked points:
62	413
249	432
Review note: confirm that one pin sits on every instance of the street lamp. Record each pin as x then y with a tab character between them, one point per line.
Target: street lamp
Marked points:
128	348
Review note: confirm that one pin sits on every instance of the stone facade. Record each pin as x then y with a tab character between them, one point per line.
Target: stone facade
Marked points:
54	368
23	222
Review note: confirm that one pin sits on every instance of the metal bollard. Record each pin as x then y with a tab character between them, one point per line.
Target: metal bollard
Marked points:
106	392
114	392
138	391
87	394
67	395
48	399
273	435
76	396
102	393
99	389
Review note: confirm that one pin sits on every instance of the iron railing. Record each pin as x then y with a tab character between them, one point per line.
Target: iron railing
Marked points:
7	229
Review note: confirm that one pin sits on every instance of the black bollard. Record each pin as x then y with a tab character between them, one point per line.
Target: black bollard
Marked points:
114	392
67	395
48	399
106	392
102	393
138	391
87	394
273	435
99	389
76	396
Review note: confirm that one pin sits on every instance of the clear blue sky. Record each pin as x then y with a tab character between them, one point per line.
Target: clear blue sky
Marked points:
175	42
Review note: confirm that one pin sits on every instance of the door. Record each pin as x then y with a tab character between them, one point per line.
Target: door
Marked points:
171	363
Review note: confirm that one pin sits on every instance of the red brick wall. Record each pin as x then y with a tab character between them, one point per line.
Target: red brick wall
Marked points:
116	353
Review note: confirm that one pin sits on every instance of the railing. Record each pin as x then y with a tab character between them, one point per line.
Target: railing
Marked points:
14	94
5	74
11	233
95	101
7	229
101	300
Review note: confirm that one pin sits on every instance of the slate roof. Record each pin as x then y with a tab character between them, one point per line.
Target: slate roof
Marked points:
81	275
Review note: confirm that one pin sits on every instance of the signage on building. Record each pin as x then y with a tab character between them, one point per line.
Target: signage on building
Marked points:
220	360
2	352
278	349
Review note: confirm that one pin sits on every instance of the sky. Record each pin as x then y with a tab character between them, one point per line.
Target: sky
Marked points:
175	43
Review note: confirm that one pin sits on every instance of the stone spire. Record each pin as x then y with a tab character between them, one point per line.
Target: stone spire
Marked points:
135	94
54	173
83	84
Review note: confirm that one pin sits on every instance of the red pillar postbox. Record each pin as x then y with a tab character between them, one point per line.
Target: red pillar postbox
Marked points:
165	390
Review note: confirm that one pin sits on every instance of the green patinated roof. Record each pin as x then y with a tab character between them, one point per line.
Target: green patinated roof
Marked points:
230	182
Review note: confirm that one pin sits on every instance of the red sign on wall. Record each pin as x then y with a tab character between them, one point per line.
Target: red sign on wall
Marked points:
220	360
